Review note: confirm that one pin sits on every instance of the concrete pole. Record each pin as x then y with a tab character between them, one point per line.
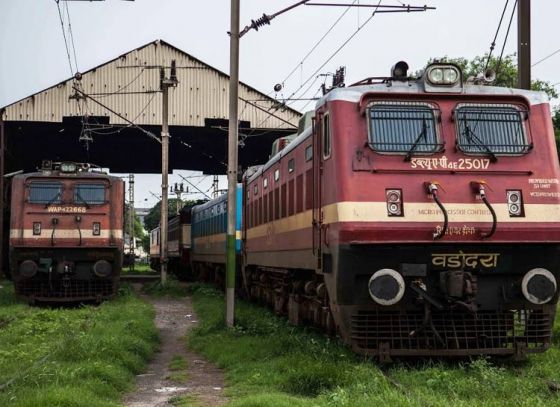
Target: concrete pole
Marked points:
524	44
2	185
164	181
232	162
131	242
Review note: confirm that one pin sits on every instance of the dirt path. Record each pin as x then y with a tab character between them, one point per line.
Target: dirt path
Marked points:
200	380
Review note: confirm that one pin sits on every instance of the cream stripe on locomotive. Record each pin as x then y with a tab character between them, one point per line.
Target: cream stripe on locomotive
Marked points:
429	212
413	212
64	234
217	238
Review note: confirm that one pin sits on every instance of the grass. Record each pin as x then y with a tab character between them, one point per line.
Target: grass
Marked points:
171	289
177	363
269	363
178	367
139	268
185	401
85	356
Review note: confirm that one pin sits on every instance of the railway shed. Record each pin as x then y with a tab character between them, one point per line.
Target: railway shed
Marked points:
111	115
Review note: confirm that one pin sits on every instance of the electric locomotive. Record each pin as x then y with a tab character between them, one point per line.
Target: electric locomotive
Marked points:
418	216
66	233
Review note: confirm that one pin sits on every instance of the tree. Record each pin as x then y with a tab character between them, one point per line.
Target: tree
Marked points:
151	221
506	71
146	243
138	228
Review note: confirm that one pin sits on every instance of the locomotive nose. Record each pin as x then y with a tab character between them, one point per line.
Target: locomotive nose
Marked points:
538	286
386	287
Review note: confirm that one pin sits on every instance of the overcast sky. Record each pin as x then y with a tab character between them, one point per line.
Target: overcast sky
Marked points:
33	54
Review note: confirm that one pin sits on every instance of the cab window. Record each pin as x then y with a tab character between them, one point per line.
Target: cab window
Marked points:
491	129
45	192
90	194
403	128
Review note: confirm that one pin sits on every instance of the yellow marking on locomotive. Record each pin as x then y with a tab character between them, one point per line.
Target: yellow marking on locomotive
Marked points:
460	260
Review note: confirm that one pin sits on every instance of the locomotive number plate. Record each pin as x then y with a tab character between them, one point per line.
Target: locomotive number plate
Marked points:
66	209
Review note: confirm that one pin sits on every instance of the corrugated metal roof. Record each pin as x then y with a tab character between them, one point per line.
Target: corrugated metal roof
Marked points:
120	84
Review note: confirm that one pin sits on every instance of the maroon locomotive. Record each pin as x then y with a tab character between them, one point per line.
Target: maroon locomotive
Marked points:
66	233
418	216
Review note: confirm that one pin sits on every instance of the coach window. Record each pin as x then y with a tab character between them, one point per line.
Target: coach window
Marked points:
326	136
276	174
308	152
265	183
291	165
45	192
403	128
89	194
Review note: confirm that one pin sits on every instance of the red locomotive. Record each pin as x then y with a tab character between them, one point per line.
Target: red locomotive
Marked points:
66	233
419	216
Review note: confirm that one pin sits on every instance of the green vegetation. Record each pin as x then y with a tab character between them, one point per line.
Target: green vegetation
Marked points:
269	363
82	356
172	288
184	401
178	363
139	268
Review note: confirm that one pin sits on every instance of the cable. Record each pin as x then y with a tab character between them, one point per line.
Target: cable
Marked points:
317	43
64	35
493	44
546	57
71	36
106	94
337	50
505	39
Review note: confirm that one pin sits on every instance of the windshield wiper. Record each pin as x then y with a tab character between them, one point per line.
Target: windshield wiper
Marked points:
415	144
54	198
82	199
470	135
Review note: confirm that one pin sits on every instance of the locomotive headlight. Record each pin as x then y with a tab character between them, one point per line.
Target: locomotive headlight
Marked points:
450	75
386	287
28	268
436	75
36	228
68	167
515	203
443	75
538	286
102	268
394	202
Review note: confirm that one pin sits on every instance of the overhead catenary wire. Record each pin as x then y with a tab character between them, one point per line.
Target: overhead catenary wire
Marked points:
336	51
71	35
505	39
314	75
64	36
300	63
546	57
493	44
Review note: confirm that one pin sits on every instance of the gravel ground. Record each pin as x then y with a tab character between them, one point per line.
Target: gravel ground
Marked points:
204	382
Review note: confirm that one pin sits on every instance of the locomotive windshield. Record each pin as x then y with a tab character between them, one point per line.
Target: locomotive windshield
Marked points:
403	128
89	194
45	192
490	130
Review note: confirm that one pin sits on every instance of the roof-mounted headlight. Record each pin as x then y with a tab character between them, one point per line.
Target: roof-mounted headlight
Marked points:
443	74
440	77
68	167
